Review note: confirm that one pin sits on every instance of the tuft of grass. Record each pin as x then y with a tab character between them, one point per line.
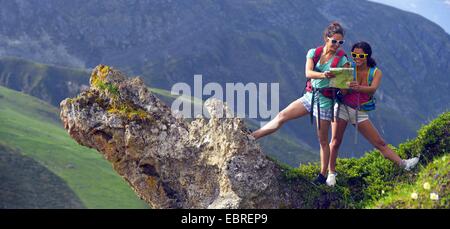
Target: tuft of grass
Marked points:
98	77
98	81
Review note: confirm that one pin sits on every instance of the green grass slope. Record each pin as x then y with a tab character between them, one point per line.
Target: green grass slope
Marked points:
430	190
375	182
32	127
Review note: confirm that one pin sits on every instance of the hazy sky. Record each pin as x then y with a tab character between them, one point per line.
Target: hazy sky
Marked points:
437	11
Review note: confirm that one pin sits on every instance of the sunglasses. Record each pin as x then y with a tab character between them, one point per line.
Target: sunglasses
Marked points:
333	41
359	55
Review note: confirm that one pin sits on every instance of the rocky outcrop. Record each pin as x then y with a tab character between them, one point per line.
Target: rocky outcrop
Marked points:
168	161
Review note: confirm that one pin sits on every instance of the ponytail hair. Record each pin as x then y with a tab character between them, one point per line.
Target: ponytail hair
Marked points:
368	50
333	28
371	62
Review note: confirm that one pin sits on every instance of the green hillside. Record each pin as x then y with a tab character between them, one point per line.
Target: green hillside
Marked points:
375	182
433	180
32	127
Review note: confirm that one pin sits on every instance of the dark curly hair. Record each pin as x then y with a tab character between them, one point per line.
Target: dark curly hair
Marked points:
368	50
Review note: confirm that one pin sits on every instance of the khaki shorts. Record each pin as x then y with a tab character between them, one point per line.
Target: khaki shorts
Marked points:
349	114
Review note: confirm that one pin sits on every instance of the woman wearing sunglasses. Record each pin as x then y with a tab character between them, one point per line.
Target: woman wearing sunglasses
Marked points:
355	102
318	63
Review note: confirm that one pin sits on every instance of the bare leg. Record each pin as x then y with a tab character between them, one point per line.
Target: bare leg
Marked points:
294	110
337	134
322	134
367	129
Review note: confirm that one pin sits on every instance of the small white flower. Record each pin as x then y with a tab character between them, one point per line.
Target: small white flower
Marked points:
414	196
382	191
434	196
426	186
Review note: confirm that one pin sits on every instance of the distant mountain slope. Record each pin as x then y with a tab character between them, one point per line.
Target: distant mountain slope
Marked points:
437	11
239	41
32	127
49	83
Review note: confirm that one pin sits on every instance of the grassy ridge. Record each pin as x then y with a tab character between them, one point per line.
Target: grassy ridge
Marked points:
33	128
375	182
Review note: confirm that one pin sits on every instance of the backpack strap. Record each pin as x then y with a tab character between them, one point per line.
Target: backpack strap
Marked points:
318	111
338	110
317	54
311	115
371	74
337	58
353	65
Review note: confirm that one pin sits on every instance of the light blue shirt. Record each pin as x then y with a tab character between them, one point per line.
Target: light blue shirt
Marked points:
321	83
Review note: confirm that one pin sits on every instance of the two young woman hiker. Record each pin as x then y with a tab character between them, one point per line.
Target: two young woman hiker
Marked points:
319	101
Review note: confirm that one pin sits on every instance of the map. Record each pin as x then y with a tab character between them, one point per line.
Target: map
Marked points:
343	77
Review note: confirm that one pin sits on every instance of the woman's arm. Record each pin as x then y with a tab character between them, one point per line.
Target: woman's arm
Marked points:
311	74
368	89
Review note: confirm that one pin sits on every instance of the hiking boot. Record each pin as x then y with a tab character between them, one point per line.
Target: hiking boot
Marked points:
331	180
320	179
409	164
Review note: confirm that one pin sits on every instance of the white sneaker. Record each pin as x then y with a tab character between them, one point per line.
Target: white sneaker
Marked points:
410	163
331	179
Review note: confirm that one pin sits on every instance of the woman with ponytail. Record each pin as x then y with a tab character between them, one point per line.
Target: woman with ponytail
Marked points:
353	108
